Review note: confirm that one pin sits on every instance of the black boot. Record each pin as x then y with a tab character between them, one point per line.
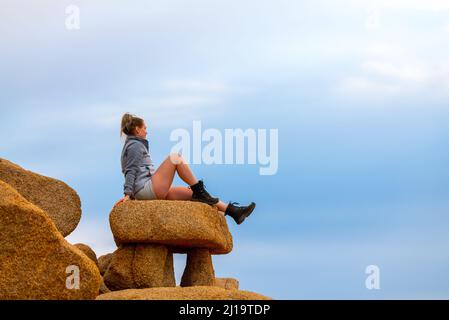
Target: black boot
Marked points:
200	194
239	213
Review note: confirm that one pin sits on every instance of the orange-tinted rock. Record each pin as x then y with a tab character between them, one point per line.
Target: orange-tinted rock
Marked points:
103	262
140	266
180	225
199	270
36	262
103	287
227	283
87	251
179	293
60	202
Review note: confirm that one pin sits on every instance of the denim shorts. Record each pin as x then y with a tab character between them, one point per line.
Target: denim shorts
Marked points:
146	193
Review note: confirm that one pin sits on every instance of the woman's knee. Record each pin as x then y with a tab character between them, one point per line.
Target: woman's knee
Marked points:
176	158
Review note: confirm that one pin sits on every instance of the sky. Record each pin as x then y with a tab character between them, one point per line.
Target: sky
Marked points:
358	91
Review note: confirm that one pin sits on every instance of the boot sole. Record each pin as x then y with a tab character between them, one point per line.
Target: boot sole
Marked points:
247	213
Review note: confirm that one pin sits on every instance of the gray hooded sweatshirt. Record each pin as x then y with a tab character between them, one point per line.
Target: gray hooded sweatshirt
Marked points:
137	165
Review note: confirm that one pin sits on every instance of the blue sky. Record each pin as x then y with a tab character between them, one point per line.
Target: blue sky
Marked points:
359	92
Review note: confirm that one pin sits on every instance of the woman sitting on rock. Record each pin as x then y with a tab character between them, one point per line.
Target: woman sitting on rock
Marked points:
142	182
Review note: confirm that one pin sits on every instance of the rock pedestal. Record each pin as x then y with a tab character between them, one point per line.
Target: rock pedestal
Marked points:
199	270
149	232
140	266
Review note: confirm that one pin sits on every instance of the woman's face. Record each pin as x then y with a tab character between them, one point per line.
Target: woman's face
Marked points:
141	132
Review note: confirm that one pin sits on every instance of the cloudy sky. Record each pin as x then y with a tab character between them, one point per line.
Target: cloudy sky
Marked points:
358	90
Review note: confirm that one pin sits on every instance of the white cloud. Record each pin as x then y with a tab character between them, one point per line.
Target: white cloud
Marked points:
363	86
390	77
406	72
427	5
387	68
446	27
173	104
373	20
193	85
384	50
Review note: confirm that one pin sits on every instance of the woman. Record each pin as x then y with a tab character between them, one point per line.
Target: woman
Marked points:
143	182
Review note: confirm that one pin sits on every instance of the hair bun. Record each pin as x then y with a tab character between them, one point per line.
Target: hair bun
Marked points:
129	123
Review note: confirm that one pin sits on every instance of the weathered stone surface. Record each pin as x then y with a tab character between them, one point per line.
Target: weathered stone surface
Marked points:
34	256
119	275
87	251
227	283
199	270
103	262
103	287
153	266
140	266
179	293
60	202
177	224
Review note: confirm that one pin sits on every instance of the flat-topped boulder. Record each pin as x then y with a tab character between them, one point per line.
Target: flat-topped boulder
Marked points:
180	225
57	199
179	293
36	262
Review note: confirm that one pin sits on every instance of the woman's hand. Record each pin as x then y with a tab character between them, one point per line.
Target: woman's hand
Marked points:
125	198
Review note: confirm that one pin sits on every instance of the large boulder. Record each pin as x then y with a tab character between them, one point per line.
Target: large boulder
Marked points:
57	199
179	293
180	225
140	266
87	251
103	263
36	262
103	288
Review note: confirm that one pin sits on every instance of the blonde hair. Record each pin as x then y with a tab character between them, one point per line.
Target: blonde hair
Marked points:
129	124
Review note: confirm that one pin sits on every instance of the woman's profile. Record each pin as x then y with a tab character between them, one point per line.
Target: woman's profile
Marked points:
143	182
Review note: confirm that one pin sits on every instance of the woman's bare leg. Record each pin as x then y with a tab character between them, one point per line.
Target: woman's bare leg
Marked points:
221	206
163	179
164	175
179	193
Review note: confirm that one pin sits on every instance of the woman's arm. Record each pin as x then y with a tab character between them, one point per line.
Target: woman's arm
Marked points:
132	162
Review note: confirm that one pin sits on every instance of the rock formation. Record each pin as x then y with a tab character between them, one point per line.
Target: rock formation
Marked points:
178	224
87	251
104	262
36	262
227	283
149	232
179	293
61	203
